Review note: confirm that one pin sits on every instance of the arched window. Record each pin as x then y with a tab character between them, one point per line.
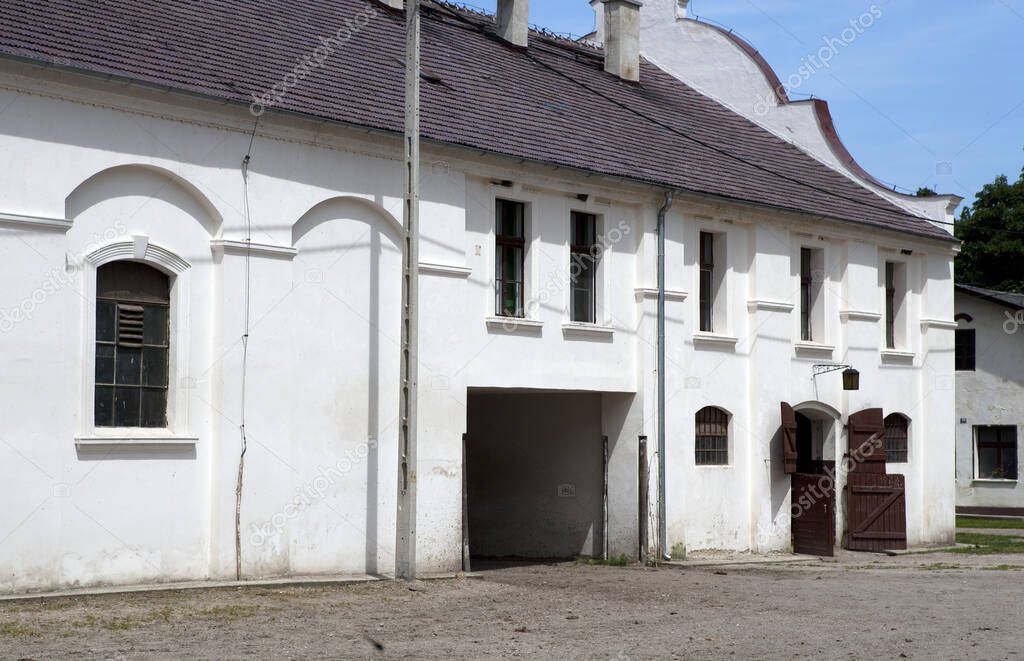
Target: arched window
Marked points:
132	345
712	437
897	429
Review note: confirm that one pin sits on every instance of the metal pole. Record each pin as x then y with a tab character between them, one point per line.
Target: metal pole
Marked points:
405	547
662	524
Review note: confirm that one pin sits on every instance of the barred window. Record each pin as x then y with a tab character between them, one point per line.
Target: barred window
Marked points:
132	345
712	437
897	438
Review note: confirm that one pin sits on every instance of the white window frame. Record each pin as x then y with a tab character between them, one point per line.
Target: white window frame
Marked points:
901	320
721	319
177	432
820	328
531	318
975	438
602	283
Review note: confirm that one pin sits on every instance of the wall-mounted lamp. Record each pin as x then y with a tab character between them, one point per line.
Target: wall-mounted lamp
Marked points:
851	377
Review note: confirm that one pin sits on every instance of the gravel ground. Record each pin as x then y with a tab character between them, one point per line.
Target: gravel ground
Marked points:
937	605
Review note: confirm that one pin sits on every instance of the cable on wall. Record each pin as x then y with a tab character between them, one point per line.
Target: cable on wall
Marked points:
671	129
245	351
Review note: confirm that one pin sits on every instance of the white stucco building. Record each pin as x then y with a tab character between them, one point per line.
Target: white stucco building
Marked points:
989	401
202	261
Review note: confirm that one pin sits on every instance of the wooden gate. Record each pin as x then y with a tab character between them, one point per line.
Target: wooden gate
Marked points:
876	506
812	499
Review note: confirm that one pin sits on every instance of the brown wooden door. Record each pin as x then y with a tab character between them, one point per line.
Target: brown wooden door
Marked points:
876	505
866	442
876	512
789	454
813	514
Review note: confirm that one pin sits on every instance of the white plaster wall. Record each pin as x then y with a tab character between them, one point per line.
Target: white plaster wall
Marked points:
991	395
320	410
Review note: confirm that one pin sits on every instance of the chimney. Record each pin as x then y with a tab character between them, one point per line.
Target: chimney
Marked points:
513	19
622	38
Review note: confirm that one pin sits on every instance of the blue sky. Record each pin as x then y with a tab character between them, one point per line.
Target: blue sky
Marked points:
932	94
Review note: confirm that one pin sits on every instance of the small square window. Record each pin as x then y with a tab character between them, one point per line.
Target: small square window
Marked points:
996	452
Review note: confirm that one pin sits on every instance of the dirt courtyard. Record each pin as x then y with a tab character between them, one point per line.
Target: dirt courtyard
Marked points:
863	606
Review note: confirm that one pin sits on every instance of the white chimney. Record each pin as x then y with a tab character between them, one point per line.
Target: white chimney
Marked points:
513	21
622	38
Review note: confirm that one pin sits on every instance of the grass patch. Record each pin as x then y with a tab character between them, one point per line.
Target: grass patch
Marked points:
614	561
125	623
938	566
1003	568
15	630
230	613
989	544
1003	524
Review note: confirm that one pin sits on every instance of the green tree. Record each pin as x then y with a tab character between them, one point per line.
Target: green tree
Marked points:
992	232
925	192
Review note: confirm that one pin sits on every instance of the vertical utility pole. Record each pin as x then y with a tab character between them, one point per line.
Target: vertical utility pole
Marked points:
405	547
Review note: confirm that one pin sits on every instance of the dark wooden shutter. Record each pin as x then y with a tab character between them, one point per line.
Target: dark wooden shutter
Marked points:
866	438
789	438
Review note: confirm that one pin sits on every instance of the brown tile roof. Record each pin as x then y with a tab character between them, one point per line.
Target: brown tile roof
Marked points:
552	103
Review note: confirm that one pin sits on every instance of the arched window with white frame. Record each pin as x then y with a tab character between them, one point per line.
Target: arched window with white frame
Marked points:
132	345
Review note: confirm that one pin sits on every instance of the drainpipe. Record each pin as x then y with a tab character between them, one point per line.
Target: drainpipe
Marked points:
662	526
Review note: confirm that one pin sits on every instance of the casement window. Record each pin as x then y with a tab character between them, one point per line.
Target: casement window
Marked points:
895	293
711	442
583	262
996	452
132	346
811	312
510	253
897	438
712	271
966	349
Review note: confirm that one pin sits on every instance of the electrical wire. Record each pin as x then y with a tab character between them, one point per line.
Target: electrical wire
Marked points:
245	351
671	129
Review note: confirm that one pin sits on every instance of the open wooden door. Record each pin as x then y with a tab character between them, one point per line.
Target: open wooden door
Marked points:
812	497
876	502
789	454
866	439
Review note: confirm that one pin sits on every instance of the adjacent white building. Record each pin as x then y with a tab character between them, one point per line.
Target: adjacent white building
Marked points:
989	400
201	311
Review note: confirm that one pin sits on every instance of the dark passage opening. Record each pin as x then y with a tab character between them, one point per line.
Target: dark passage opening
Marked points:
534	470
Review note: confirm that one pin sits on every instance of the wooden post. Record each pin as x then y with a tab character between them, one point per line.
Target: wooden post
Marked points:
465	508
605	495
645	503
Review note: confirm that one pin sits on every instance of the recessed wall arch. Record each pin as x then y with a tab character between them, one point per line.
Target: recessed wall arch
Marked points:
147	181
820	408
347	206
